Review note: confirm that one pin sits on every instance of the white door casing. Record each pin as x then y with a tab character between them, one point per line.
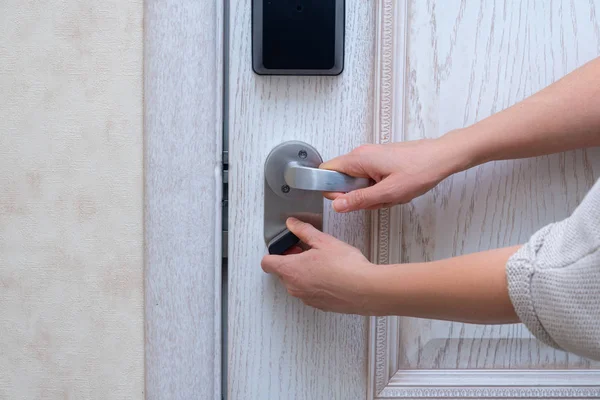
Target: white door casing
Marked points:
183	179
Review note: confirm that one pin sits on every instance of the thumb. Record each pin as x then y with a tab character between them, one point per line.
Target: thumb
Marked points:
361	199
307	233
348	164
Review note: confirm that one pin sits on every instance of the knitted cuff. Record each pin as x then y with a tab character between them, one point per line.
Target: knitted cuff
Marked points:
520	270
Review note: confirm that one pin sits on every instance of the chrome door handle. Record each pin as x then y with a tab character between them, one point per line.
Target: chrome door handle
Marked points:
293	182
307	178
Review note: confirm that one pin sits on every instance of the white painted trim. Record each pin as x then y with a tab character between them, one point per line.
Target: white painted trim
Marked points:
494	377
384	380
495	384
390	64
183	89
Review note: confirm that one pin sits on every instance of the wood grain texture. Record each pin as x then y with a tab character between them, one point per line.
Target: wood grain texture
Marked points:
278	348
71	200
183	125
468	60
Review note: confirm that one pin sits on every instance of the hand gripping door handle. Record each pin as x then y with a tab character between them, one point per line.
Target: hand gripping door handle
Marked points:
293	186
307	178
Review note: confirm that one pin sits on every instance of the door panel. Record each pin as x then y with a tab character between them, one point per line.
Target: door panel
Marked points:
444	65
279	348
465	62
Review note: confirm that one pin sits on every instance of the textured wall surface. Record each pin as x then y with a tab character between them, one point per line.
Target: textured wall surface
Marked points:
71	200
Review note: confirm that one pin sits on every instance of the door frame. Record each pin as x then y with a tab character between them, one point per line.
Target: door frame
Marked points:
183	128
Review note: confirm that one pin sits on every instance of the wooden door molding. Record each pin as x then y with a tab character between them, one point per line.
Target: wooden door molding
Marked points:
385	379
183	181
390	64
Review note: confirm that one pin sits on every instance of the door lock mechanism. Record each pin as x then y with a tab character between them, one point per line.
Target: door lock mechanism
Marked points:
293	186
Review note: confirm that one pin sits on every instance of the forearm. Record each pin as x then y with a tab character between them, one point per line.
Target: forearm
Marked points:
563	116
470	288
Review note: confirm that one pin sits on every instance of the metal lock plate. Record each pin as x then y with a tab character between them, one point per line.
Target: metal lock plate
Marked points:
293	188
282	201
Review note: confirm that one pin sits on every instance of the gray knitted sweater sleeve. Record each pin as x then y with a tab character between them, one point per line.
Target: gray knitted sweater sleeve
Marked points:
554	281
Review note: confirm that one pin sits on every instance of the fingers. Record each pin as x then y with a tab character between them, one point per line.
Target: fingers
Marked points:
276	264
315	219
332	195
293	250
270	264
367	198
348	164
308	233
273	264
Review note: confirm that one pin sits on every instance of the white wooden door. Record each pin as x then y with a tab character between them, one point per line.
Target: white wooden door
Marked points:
278	348
413	69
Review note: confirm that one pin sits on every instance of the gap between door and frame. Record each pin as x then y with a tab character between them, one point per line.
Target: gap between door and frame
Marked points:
225	200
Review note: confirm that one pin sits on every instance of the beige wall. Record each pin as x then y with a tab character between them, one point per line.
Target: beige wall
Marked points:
71	199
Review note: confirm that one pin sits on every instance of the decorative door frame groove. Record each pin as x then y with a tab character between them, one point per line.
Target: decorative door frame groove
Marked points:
390	64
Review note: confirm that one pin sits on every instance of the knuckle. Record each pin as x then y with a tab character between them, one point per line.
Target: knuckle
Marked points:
268	265
294	292
358	197
303	229
364	148
309	234
312	239
387	200
285	271
291	278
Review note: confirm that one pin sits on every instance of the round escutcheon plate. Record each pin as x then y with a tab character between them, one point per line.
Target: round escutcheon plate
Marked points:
288	152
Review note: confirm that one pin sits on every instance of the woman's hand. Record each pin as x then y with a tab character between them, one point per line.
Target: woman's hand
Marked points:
564	116
401	171
334	276
331	276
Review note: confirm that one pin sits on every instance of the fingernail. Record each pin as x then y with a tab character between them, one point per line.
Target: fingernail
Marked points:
340	204
293	220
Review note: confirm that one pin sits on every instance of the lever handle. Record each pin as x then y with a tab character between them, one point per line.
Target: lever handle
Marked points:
307	178
293	182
